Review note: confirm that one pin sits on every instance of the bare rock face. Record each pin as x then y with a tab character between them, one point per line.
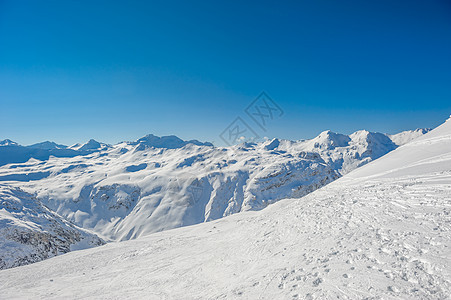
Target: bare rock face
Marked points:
30	232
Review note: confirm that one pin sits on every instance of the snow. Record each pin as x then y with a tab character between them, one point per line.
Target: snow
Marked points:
330	140
132	189
89	146
8	142
30	232
47	146
404	137
423	155
168	142
380	232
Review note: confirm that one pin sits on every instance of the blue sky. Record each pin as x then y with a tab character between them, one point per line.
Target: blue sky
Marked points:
117	70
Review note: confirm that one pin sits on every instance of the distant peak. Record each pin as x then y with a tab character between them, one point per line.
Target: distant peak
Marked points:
329	140
326	132
148	136
272	144
405	137
169	142
364	137
365	134
329	133
47	145
92	141
361	132
8	142
89	146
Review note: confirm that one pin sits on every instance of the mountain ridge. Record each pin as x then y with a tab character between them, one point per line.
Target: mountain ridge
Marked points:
132	189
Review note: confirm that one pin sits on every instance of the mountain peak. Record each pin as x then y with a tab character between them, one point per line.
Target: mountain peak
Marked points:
89	146
272	144
368	137
405	137
47	145
8	142
329	140
169	142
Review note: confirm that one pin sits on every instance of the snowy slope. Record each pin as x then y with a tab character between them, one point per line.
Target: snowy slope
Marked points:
30	232
380	232
157	183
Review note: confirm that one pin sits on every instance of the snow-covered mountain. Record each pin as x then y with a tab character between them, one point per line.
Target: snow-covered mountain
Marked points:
8	142
380	232
12	152
47	146
407	136
342	152
131	189
91	145
167	142
153	184
30	232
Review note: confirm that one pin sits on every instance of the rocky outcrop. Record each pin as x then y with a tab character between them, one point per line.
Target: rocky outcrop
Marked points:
30	232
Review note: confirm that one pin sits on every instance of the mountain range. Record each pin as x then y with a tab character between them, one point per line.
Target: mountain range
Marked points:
99	193
380	231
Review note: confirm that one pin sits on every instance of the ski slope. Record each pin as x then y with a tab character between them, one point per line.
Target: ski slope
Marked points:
379	232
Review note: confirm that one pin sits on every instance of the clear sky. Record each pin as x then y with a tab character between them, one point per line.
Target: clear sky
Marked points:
117	70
